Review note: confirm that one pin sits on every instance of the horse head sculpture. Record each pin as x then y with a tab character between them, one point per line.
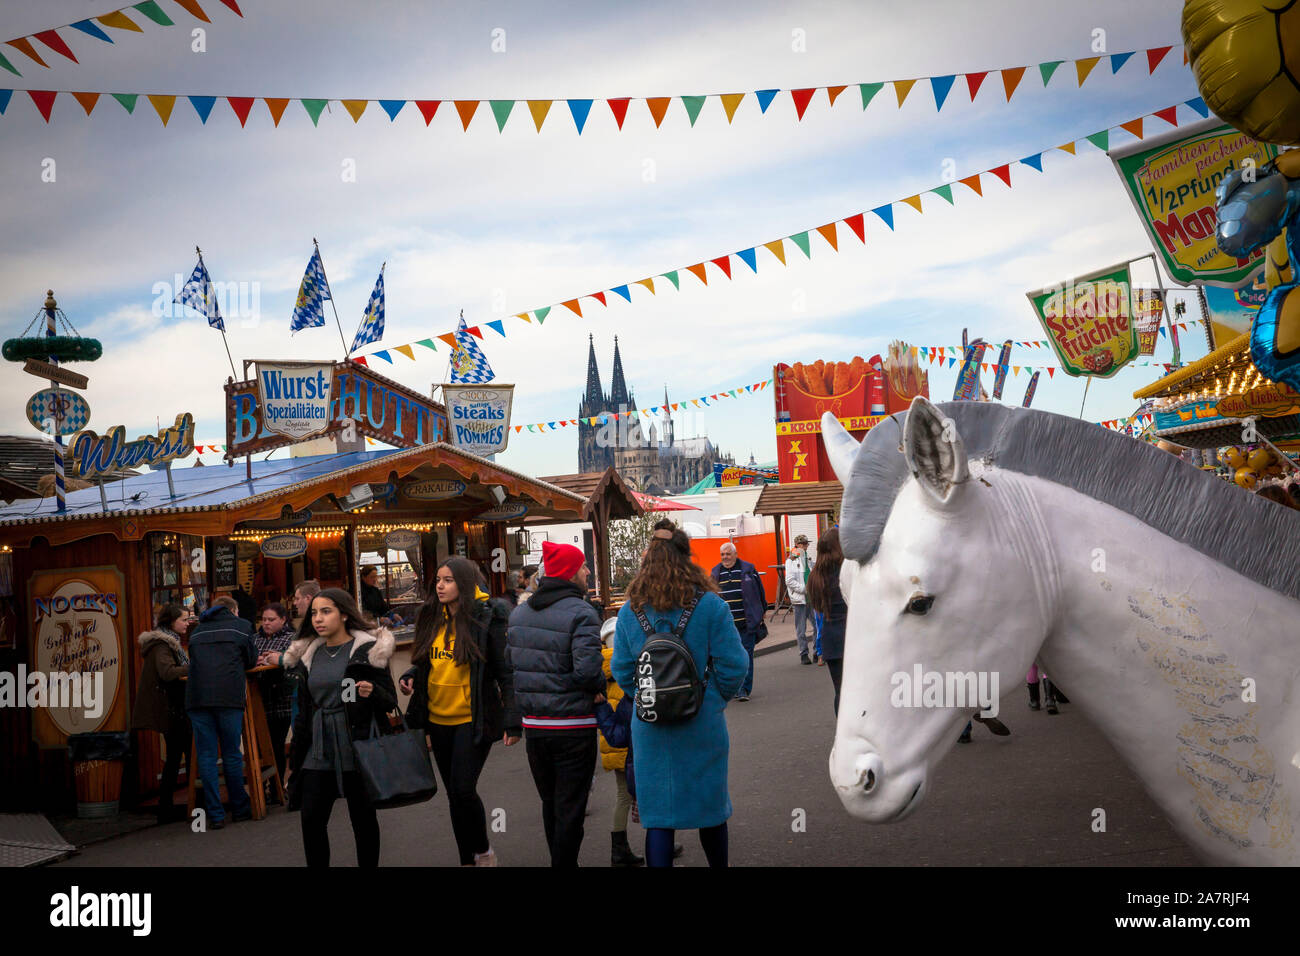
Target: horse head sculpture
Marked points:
979	537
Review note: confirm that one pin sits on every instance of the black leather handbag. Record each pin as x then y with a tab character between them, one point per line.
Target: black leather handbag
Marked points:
395	767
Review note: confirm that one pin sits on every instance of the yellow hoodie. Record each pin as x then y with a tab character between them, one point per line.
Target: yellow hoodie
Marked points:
448	687
611	758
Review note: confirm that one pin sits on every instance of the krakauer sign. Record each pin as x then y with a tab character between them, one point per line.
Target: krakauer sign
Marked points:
479	417
434	489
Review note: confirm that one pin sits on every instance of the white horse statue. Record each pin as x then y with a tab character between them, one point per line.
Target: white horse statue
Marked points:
978	537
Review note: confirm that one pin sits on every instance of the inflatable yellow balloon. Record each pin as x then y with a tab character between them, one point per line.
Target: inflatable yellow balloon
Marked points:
1233	458
1246	478
1259	459
1245	55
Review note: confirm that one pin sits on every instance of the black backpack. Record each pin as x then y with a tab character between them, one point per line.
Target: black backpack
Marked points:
668	687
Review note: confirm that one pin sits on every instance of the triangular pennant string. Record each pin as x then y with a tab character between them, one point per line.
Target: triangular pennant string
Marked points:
857	224
276	108
579	109
940	85
1011	79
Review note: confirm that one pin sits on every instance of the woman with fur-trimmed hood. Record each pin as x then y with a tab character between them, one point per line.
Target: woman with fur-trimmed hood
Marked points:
337	643
160	698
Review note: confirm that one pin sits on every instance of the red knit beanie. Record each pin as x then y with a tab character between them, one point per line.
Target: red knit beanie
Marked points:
561	560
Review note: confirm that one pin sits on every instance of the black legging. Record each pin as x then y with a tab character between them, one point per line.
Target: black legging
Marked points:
836	668
659	845
459	764
319	791
178	738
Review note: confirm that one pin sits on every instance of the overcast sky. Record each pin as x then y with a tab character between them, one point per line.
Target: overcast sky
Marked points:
498	223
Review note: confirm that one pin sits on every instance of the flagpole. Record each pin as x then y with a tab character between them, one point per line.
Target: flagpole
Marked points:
365	318
452	356
346	351
224	341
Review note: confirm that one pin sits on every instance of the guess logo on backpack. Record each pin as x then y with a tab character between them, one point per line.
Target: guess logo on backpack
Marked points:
668	686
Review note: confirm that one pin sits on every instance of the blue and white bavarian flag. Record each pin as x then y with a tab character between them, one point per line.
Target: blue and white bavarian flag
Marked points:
309	310
199	295
469	365
372	323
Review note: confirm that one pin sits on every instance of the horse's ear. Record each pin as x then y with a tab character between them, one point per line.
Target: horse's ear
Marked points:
840	446
934	450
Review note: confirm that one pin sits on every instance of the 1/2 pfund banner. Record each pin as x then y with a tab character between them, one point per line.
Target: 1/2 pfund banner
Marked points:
478	417
1172	180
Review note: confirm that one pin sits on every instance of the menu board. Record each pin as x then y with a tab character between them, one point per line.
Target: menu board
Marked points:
331	565
223	565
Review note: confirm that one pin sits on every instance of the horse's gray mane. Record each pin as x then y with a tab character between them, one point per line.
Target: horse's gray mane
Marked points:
1259	539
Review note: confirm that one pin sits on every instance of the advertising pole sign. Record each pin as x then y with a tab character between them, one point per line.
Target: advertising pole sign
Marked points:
1148	310
478	417
78	670
1172	180
295	397
1089	322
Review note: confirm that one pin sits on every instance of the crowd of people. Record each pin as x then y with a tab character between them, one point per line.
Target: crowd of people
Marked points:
642	694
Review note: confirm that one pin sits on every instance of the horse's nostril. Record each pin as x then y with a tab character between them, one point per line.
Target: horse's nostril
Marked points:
869	767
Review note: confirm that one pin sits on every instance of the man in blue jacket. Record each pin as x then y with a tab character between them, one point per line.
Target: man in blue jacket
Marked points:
221	650
741	587
554	650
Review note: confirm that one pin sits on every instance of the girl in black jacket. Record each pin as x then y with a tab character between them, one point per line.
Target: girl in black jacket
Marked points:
337	644
462	695
825	598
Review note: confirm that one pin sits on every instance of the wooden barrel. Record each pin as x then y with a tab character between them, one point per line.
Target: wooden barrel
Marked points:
99	787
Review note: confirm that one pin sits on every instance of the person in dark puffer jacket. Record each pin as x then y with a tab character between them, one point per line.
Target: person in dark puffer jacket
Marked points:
221	650
555	654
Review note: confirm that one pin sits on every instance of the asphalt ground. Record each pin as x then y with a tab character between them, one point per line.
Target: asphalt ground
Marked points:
1023	800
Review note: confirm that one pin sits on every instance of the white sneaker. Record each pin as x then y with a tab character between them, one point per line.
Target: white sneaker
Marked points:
486	859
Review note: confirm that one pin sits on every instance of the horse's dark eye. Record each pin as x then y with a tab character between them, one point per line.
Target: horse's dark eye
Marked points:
920	604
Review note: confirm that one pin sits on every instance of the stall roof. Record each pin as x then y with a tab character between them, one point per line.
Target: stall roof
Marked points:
1235	356
215	488
591	485
800	498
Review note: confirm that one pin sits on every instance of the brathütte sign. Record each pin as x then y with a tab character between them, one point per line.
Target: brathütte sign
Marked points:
271	412
479	417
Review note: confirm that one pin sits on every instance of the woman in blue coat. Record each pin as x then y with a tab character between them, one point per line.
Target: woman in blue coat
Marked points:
681	768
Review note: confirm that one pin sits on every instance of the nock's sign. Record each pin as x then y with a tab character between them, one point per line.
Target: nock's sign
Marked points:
377	407
479	417
77	627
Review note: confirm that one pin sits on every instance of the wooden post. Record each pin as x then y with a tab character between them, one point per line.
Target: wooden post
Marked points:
600	534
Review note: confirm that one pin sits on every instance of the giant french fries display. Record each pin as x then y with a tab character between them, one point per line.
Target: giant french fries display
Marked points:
859	392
